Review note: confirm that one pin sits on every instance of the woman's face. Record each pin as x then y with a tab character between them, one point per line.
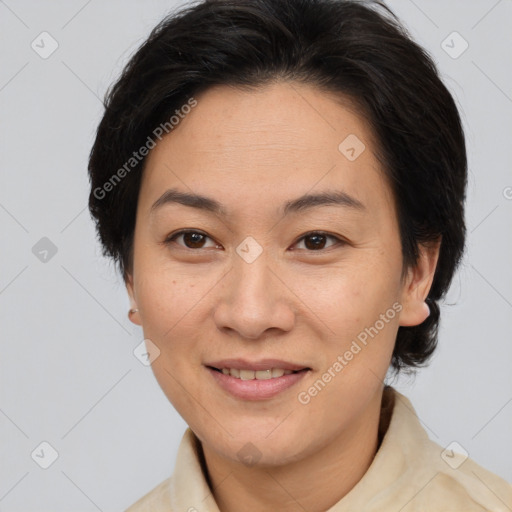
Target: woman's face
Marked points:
253	288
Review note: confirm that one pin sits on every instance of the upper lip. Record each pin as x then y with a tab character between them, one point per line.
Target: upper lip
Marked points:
262	364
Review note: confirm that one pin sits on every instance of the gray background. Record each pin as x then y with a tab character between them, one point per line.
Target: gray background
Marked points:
67	369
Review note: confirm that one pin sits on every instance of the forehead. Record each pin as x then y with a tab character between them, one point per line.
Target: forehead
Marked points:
271	143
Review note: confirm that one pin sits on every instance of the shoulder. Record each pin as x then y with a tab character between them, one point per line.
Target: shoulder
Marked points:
156	500
451	481
442	479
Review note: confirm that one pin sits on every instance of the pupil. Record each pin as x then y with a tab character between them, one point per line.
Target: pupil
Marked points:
319	239
193	238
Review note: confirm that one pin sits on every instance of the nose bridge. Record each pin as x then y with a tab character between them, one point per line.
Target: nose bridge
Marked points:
253	279
255	300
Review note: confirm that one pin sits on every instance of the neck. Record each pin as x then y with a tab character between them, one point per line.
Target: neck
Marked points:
314	483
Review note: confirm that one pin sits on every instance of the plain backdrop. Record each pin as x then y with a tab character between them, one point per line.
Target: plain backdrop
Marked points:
68	373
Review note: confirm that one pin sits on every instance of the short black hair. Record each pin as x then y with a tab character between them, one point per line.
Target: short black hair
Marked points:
358	50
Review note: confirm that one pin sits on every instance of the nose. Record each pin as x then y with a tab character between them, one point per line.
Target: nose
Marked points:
255	299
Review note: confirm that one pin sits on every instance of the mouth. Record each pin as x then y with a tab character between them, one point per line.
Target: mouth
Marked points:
256	380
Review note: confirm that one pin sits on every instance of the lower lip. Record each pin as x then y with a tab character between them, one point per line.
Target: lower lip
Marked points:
255	389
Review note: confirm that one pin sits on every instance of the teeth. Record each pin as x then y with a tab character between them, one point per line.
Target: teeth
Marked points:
264	374
271	373
247	374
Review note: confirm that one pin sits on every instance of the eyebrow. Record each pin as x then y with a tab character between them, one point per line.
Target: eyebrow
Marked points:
300	204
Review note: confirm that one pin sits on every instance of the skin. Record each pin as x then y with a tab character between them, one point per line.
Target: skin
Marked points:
252	151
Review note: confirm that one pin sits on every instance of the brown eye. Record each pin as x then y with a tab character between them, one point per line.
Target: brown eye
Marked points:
191	239
316	241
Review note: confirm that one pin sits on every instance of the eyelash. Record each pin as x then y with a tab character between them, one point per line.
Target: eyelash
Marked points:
171	238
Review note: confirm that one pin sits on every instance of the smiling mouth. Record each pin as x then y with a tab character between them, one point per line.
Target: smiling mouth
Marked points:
270	373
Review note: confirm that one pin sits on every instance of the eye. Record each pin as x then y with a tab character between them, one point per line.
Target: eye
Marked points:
191	238
316	240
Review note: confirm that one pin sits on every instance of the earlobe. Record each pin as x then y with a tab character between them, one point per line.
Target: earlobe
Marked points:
134	319
133	313
417	286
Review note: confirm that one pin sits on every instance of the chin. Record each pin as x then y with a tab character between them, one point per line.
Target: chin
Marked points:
258	443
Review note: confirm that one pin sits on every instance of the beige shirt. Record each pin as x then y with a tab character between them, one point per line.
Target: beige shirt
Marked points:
409	473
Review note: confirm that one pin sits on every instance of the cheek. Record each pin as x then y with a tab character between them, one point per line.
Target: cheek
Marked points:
169	308
359	309
350	296
166	294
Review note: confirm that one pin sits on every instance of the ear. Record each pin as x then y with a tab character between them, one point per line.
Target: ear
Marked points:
417	285
134	317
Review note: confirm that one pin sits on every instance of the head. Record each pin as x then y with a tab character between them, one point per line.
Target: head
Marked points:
331	165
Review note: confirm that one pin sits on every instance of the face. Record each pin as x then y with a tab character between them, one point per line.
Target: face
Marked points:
298	301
